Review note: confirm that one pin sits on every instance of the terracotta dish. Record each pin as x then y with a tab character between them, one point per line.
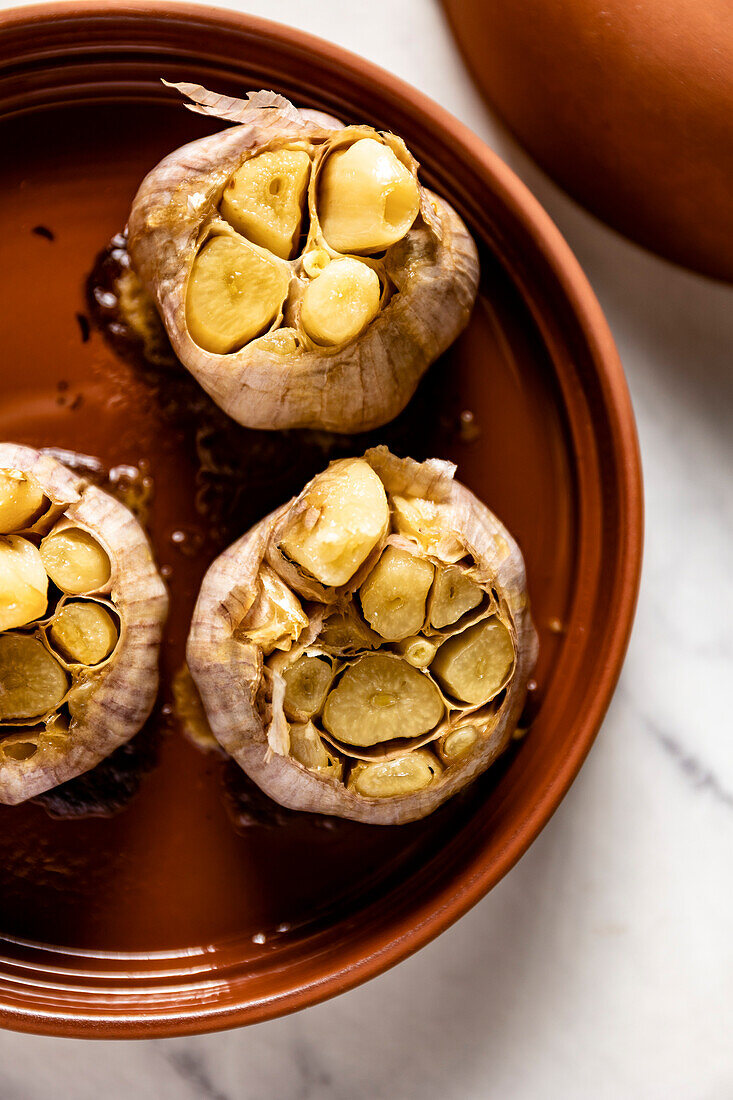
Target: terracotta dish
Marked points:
161	894
628	106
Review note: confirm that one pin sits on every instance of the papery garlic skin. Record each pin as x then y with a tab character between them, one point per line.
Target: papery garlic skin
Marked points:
69	694
428	745
411	275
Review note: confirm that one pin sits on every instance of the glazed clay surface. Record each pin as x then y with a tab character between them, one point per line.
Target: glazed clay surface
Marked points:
627	105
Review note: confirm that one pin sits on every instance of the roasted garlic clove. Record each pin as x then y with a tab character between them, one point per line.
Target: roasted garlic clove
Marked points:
32	682
220	238
310	750
381	722
235	292
393	595
21	501
81	676
427	523
75	561
276	619
307	682
402	775
459	742
23	582
264	199
379	698
344	633
417	651
83	633
340	301
367	199
473	666
340	518
453	594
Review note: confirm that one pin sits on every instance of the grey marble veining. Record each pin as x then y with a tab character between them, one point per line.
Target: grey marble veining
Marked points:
601	966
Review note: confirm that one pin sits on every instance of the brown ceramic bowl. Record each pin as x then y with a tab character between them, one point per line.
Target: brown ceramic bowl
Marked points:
198	905
627	105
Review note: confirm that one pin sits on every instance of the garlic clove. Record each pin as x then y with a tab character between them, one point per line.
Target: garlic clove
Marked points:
276	617
264	199
428	523
32	682
381	697
393	595
21	501
473	666
367	198
23	582
340	302
75	561
402	775
83	632
453	594
417	650
341	517
309	750
307	682
458	743
235	292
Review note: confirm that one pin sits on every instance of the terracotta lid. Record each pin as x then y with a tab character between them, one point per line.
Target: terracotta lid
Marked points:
627	105
198	904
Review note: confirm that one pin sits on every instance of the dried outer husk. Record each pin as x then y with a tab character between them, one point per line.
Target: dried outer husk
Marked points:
353	387
243	696
109	703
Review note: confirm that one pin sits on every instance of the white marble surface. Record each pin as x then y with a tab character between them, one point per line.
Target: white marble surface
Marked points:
601	967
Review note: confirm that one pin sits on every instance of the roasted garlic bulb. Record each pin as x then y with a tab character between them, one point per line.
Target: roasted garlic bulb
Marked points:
365	650
303	273
82	608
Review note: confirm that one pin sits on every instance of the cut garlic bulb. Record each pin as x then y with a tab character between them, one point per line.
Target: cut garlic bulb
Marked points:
377	720
81	674
256	229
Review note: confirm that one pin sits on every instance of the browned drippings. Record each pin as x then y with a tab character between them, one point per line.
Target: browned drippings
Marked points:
198	854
